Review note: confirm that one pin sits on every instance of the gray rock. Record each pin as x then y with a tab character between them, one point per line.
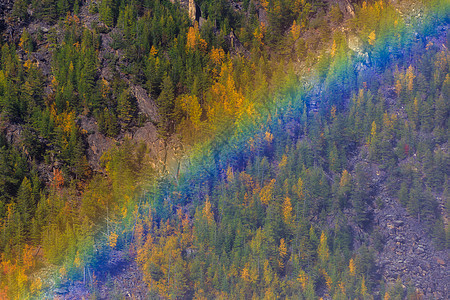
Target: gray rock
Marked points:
146	103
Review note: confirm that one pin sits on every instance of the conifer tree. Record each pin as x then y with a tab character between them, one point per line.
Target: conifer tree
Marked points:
106	10
323	251
25	202
126	106
20	10
63	7
47	10
166	99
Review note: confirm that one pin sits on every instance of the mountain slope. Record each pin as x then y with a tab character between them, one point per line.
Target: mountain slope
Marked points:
314	157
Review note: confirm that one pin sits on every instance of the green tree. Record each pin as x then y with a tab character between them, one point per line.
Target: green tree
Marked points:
323	251
25	202
415	199
106	10
62	6
403	193
20	10
46	10
126	107
166	99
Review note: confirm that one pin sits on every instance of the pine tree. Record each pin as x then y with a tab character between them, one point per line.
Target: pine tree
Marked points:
360	206
415	199
107	12
63	7
166	101
126	106
25	201
403	194
20	10
86	78
334	160
46	10
323	251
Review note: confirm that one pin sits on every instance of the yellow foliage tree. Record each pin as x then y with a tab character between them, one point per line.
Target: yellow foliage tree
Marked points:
191	40
153	51
299	189
66	121
410	78
342	287
283	162
58	179
112	239
333	112
194	41
207	211
105	88
191	107
398	87
27	64
323	251
302	278
295	30
268	137
164	258
328	279
259	34
230	174
245	273
27	258
224	102
25	41
372	38
287	211
35	287
345	179
266	192
247	180
363	287
268	273
333	53
217	55
351	267
77	261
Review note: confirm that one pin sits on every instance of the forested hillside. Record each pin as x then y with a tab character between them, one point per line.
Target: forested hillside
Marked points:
220	149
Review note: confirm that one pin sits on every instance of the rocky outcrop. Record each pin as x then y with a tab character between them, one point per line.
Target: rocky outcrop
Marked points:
236	46
407	251
118	278
145	104
409	254
5	7
347	7
13	134
192	10
98	143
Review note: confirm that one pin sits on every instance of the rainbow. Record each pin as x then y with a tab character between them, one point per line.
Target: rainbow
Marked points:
296	101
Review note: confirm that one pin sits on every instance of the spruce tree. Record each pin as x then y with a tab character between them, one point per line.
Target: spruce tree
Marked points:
126	106
107	12
25	201
46	10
